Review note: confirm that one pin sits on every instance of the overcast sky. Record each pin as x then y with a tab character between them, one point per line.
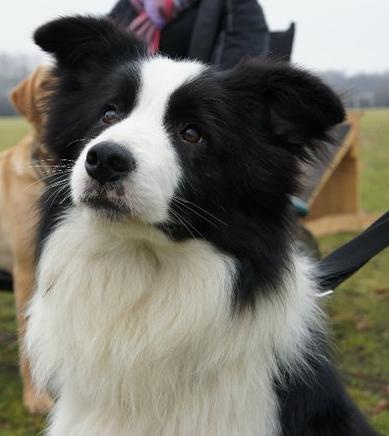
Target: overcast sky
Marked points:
349	35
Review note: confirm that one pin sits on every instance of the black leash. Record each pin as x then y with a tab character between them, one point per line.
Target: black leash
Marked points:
350	257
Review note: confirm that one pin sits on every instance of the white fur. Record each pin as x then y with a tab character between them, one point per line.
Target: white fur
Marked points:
135	335
149	189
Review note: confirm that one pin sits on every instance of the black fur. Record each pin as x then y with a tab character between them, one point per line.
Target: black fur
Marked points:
91	54
317	404
258	122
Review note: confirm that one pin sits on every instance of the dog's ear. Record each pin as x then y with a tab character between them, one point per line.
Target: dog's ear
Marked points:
293	105
28	96
81	41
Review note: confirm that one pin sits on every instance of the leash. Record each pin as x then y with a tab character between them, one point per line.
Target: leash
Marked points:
350	257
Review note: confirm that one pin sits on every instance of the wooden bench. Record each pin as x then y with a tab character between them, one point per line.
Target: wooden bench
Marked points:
332	185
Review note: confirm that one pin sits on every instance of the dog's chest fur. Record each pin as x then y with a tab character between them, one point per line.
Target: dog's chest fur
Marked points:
138	337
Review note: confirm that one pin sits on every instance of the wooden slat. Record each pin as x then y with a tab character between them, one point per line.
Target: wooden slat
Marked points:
340	223
334	203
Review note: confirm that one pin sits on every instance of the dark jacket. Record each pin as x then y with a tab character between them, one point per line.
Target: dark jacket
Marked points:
219	32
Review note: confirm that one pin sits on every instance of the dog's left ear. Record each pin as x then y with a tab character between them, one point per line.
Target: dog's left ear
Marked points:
292	104
86	42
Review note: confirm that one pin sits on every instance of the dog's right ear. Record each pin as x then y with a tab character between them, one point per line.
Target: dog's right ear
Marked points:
81	41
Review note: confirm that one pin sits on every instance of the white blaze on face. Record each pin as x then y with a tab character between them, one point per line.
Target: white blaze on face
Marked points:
150	187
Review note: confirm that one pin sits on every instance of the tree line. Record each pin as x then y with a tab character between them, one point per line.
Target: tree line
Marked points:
360	90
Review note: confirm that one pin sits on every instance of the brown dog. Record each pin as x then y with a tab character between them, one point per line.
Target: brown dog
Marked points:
21	170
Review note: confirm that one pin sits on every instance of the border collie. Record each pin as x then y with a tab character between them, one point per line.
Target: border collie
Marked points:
170	297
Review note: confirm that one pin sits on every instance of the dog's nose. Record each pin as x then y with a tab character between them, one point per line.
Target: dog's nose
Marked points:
108	162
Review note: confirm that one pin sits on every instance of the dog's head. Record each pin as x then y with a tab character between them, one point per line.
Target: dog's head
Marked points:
177	145
155	134
30	95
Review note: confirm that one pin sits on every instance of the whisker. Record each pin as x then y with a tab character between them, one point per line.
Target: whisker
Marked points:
56	160
44	164
200	208
43	179
58	179
55	184
75	141
188	208
50	168
55	181
185	202
182	222
64	190
67	197
188	223
55	194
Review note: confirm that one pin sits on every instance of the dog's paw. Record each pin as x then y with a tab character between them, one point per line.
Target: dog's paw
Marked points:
37	403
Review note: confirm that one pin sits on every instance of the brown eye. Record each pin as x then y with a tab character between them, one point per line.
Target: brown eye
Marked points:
110	115
192	135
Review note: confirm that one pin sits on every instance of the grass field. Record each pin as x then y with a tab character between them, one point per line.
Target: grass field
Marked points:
11	130
359	310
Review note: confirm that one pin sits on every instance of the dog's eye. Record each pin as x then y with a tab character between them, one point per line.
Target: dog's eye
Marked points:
110	115
192	135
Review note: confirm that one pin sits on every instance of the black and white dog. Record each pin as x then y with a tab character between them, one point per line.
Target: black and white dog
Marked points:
170	298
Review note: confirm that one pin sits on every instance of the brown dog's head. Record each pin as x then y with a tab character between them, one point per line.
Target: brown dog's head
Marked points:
30	95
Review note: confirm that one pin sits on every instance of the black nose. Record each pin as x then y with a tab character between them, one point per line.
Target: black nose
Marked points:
108	162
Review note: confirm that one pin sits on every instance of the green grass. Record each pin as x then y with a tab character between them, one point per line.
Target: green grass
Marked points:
359	310
12	129
359	319
14	420
375	158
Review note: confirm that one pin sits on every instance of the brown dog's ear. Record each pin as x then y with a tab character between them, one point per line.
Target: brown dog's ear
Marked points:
28	96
